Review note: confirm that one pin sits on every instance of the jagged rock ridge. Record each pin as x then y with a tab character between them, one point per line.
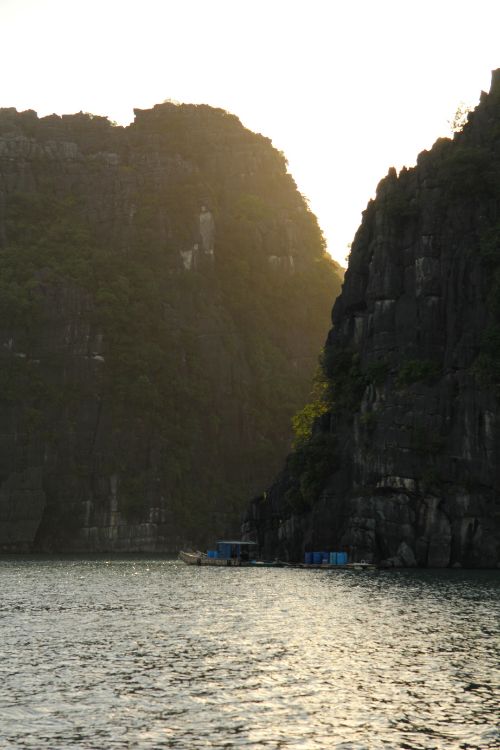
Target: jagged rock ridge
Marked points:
154	333
403	465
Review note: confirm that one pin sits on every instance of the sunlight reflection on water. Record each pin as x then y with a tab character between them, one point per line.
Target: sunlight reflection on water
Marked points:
145	653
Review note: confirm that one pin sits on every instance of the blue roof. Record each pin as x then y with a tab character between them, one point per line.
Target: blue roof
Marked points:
231	541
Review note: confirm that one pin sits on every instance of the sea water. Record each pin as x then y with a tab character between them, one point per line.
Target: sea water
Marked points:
150	653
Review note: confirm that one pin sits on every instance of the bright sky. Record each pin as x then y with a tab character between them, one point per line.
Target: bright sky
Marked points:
345	88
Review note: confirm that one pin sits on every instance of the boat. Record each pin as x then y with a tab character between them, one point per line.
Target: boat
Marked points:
229	553
363	565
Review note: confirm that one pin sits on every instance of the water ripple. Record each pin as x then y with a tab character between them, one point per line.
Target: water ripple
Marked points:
150	654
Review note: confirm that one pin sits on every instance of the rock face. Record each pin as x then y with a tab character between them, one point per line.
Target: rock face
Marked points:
403	465
151	355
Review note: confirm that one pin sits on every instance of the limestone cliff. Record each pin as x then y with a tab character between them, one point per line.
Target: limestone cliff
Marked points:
163	293
402	466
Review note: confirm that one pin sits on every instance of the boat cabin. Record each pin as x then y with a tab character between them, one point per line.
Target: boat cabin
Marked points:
235	550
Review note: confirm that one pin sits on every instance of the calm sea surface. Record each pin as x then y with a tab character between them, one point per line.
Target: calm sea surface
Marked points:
149	653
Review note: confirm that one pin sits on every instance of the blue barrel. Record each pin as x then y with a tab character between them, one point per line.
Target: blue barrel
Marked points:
308	558
341	558
325	558
333	558
212	553
317	558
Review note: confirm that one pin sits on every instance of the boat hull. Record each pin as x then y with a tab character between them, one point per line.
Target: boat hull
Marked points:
200	558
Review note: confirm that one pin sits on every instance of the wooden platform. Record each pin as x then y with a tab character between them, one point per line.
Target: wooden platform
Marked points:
201	558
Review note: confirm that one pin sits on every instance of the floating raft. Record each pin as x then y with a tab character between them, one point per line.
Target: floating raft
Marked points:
201	558
327	566
240	553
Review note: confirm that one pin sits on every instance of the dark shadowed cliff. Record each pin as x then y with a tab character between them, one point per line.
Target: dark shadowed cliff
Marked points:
402	464
163	294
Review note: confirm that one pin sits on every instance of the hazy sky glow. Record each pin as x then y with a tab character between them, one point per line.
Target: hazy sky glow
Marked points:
345	89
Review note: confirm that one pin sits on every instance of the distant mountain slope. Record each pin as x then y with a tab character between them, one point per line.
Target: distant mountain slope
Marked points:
403	464
164	291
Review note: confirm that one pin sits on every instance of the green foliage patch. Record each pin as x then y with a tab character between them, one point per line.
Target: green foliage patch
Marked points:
346	379
310	466
338	387
417	371
377	372
303	421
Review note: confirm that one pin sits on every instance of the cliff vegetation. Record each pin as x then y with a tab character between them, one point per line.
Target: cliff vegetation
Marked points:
397	455
164	289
